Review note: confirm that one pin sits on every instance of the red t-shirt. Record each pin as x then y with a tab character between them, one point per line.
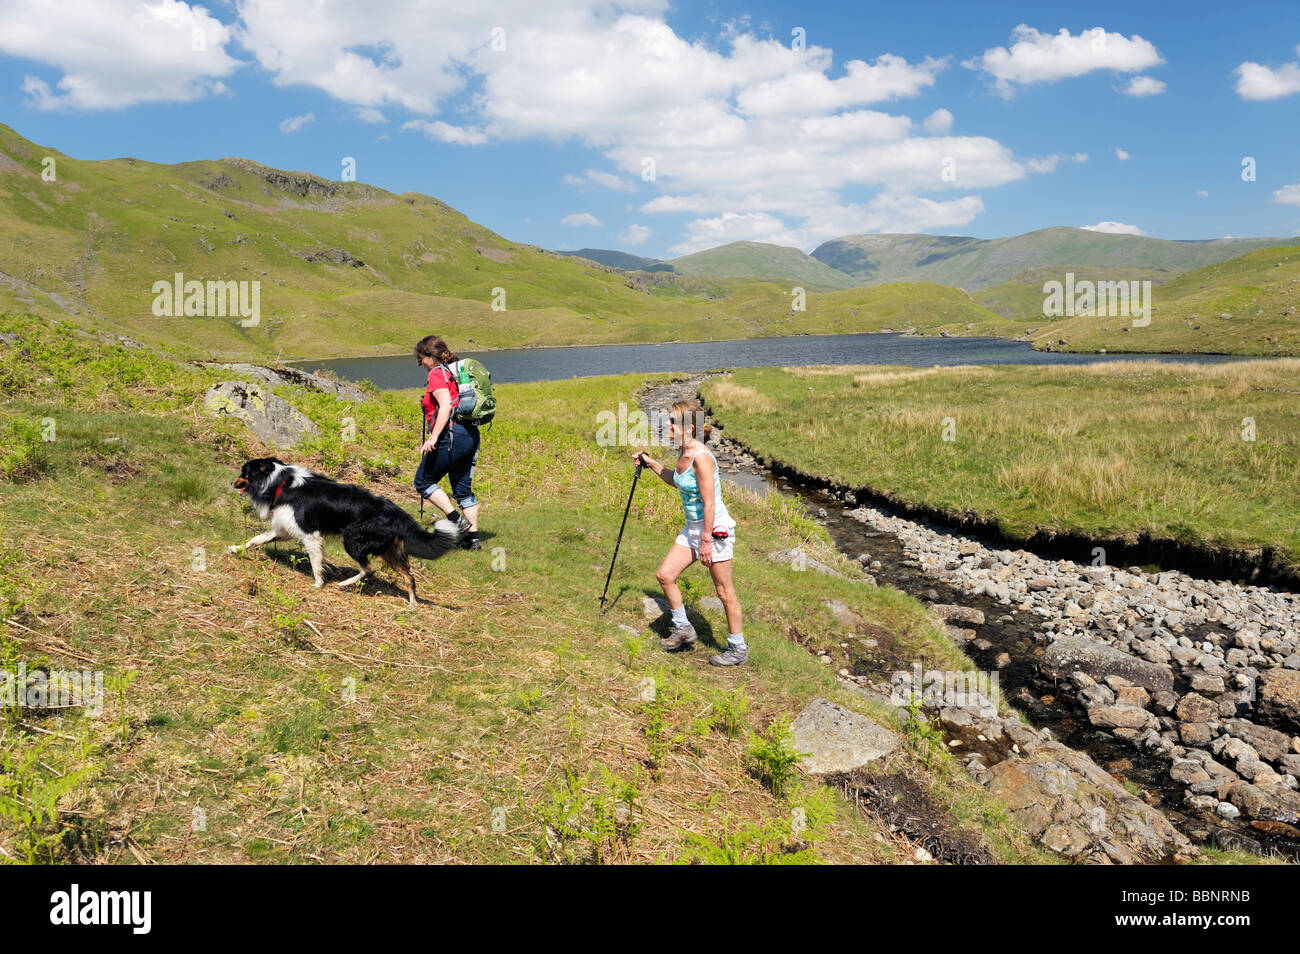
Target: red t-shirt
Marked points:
440	378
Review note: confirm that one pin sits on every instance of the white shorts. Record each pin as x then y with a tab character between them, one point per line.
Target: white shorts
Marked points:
690	538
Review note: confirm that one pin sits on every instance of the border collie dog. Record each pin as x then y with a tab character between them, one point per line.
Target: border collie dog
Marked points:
305	506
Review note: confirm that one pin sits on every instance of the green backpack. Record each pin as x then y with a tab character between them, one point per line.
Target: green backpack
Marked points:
477	404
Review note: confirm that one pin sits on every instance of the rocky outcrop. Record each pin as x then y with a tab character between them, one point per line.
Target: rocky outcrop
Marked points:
294	376
275	421
331	256
299	183
1060	796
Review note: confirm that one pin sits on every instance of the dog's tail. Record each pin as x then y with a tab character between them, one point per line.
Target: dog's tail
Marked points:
430	546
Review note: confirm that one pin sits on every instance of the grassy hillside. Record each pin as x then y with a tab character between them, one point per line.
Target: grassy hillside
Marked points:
345	268
1108	450
973	264
1248	305
1021	298
250	717
759	260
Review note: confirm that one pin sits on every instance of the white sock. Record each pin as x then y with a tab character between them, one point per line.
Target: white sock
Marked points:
679	616
736	641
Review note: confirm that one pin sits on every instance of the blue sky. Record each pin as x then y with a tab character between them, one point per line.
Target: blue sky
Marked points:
944	117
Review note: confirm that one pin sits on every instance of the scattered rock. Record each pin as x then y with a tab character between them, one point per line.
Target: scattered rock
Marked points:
836	739
654	606
951	613
1080	653
796	557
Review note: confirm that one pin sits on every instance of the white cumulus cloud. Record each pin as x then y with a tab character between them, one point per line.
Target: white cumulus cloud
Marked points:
580	218
116	53
1123	155
938	122
635	235
1145	86
1256	81
1113	228
1289	194
1036	57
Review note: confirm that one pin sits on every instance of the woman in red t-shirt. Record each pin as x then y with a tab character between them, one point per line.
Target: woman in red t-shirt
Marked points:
452	448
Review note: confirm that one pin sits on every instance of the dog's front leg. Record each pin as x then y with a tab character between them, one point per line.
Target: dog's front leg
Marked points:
315	548
256	541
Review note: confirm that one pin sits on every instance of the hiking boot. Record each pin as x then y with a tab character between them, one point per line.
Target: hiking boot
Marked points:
734	656
679	638
470	541
462	524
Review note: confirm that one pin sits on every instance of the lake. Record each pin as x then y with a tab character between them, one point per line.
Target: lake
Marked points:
549	364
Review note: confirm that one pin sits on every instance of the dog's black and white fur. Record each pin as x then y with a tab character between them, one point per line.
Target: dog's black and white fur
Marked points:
305	506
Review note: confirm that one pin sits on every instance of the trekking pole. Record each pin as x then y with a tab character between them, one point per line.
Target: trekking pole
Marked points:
424	423
635	478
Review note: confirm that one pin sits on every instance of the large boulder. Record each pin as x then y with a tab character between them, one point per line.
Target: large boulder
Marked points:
275	421
1073	807
1275	803
836	739
1278	704
1079	653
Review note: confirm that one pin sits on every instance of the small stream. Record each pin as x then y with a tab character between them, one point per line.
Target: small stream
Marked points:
1044	702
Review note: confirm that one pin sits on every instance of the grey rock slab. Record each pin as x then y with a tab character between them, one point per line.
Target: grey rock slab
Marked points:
836	739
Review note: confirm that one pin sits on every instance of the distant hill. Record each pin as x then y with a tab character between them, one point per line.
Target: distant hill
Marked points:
1246	305
973	264
759	260
616	259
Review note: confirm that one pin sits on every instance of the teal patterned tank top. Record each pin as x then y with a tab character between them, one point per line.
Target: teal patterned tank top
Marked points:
689	487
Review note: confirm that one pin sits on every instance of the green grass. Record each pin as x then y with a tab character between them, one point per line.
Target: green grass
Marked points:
1109	450
250	717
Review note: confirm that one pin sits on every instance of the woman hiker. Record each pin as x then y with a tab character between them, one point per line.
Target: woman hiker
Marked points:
709	535
452	448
